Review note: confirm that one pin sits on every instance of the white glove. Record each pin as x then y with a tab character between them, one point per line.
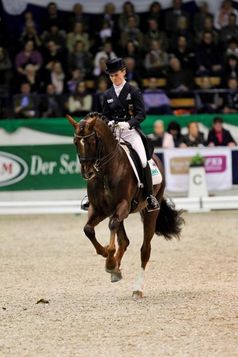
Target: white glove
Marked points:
123	125
111	123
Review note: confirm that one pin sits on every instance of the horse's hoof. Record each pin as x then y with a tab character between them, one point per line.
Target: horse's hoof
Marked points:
115	277
137	295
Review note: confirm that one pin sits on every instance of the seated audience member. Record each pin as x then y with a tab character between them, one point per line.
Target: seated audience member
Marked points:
78	34
172	16
133	51
207	101
200	16
230	99
218	136
182	30
160	138
80	58
109	16
131	33
106	53
100	70
208	27
178	79
232	47
30	34
229	31
222	15
102	86
53	17
208	56
153	33
184	54
76	77
56	35
80	103
131	72
78	16
175	130
156	60
5	70
155	99
53	53
128	10
56	76
26	56
33	78
194	137
24	104
155	14
230	69
50	103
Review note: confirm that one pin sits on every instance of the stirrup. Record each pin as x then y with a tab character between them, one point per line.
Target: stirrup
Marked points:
85	203
152	203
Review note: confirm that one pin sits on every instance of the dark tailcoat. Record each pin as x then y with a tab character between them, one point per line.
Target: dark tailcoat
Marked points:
129	107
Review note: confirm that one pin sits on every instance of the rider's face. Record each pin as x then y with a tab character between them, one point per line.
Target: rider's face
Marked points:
118	77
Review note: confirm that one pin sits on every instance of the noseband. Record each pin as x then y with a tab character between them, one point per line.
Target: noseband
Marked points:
98	159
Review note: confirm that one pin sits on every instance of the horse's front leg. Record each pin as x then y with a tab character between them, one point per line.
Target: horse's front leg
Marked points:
112	266
93	219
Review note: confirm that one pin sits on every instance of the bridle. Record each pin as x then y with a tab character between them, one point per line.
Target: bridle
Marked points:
98	159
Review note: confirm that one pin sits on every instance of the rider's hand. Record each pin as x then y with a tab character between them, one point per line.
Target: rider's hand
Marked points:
124	125
111	123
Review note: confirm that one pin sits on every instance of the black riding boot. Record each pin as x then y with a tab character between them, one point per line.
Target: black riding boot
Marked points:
152	201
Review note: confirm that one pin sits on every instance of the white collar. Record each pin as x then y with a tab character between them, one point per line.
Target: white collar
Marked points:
119	88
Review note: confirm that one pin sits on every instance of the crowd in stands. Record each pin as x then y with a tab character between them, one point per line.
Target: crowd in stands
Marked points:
56	63
217	135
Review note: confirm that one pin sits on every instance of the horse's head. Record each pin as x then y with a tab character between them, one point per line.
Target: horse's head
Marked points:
87	140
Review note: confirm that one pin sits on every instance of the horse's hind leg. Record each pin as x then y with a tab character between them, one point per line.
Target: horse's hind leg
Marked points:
93	220
149	222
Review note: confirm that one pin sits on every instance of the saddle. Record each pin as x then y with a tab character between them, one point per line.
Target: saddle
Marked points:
135	162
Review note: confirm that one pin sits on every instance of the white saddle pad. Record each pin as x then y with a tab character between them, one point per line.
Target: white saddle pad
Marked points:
156	175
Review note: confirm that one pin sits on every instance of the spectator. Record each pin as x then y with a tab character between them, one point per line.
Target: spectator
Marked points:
194	137
153	33
230	69
80	103
178	79
222	15
156	60
56	35
56	76
208	27
53	53
52	18
175	130
102	86
80	59
182	30
32	77
208	56
5	70
24	104
30	34
229	31
230	99
128	10
232	47
207	100
172	16
156	15
108	17
76	77
155	99
28	56
184	54
78	34
133	51
160	138
200	16
106	53
50	106
132	33
100	70
218	136
78	16
131	71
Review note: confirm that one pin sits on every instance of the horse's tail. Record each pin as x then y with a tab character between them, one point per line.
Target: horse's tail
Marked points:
169	221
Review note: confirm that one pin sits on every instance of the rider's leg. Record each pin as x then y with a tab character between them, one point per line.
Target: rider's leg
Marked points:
133	137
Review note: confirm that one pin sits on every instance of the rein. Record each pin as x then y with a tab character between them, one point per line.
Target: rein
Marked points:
99	161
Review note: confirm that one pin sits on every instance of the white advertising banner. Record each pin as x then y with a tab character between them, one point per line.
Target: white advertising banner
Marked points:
218	168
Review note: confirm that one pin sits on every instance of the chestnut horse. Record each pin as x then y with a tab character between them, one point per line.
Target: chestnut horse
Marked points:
112	191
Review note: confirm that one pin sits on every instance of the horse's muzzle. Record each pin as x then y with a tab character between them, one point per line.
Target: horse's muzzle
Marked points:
87	172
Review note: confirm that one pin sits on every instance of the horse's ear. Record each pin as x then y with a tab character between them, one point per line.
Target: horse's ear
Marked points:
72	121
90	123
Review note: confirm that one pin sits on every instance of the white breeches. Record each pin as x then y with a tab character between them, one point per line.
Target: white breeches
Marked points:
133	137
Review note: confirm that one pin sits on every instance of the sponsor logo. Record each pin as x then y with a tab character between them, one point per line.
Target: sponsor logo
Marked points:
213	164
12	169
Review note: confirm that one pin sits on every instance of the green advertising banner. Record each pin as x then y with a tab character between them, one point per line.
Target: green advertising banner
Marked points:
38	167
